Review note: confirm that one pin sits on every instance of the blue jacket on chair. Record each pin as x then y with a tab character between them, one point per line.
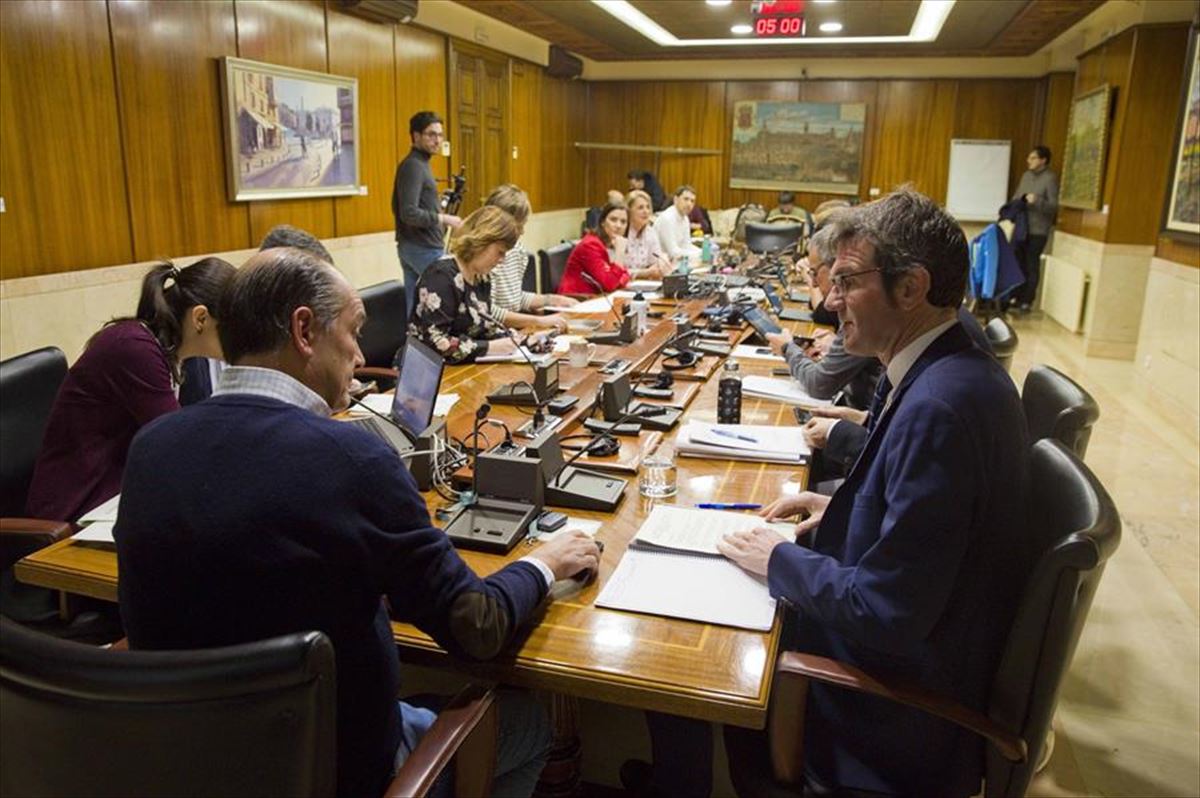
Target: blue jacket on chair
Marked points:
994	268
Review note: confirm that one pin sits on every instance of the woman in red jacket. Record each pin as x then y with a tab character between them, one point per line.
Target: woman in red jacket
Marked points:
601	256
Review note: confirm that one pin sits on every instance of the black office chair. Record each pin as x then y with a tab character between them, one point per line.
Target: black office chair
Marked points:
554	263
28	385
384	333
252	719
1058	407
762	238
534	281
1078	529
1003	339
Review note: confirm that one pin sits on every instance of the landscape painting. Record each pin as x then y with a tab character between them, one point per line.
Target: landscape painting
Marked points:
815	147
1085	151
1183	213
289	132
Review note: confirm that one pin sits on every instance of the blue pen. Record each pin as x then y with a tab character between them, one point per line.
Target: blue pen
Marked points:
728	506
725	434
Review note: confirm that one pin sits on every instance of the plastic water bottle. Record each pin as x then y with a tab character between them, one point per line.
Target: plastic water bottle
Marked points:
681	265
639	306
706	251
729	394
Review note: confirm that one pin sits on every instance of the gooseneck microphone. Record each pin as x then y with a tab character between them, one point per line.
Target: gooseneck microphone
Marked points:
594	283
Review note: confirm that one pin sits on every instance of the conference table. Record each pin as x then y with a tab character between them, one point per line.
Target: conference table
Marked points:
578	650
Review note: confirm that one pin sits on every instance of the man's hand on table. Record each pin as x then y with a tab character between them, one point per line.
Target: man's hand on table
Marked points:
569	553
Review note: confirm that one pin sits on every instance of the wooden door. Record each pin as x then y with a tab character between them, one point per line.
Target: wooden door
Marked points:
479	126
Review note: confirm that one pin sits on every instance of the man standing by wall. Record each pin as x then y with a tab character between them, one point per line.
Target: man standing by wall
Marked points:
1039	187
419	220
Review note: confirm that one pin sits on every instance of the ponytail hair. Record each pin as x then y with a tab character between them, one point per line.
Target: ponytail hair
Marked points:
169	293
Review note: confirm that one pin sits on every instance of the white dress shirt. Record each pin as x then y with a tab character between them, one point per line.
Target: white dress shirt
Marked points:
675	234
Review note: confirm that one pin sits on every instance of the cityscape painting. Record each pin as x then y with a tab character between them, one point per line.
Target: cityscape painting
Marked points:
1084	154
289	132
814	147
1183	213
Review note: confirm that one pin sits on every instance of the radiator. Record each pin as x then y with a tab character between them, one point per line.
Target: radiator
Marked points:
1064	292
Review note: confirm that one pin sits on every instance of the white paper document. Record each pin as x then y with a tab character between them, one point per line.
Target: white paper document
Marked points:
748	352
705	589
598	304
627	293
644	285
747	292
689	529
105	512
782	390
99	532
758	443
382	403
512	357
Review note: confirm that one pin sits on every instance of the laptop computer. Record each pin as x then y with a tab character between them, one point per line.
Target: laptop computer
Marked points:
416	394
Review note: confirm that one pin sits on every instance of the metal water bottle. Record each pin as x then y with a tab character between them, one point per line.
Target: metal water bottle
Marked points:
729	394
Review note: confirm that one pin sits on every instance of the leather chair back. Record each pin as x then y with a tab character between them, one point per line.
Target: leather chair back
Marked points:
1078	529
554	263
534	281
762	237
387	323
253	719
1003	339
28	385
1058	407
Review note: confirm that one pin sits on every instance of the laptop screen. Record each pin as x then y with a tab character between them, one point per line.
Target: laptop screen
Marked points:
417	388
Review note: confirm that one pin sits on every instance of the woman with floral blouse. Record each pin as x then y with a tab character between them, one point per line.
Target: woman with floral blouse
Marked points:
454	293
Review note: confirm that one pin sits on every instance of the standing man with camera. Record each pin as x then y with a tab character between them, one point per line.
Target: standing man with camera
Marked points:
420	223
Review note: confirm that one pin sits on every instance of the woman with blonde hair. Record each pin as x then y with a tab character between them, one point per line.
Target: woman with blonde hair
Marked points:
642	248
510	304
454	295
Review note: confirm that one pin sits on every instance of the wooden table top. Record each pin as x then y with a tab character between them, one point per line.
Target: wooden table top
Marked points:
693	669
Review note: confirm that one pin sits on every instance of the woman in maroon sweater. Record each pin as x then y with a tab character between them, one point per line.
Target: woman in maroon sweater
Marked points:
601	256
127	375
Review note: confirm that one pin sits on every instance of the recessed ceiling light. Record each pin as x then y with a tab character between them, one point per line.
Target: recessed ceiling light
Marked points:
824	2
718	2
741	30
830	27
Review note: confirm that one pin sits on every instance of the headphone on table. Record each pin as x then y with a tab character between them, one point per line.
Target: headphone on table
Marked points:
683	360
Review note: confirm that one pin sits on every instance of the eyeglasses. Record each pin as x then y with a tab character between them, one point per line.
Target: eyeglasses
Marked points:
842	283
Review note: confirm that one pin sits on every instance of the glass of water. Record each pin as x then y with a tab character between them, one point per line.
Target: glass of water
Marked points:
658	477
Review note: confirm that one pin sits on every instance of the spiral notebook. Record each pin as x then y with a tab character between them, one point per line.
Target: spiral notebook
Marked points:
672	568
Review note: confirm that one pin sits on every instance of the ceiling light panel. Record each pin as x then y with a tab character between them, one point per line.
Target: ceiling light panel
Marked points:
930	17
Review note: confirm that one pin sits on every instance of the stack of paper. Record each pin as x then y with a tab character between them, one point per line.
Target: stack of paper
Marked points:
781	391
98	522
758	443
644	285
600	304
382	403
747	352
673	568
511	357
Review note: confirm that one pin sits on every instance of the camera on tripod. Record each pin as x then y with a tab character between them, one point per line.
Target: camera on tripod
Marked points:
452	197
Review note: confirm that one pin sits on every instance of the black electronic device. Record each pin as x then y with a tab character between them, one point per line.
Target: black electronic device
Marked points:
614	366
762	324
773	298
625	333
803	341
551	520
802	415
537	425
648	392
736	280
781	371
540	391
675	285
627	428
510	493
797	295
714	335
560	405
616	403
569	486
683	324
795	314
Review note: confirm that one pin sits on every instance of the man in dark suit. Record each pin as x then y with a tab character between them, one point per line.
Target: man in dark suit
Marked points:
917	561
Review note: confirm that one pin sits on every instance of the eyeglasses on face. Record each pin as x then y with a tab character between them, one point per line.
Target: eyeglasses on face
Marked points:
844	282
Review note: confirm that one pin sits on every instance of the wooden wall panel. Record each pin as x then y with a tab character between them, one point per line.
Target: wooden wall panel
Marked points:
1180	250
692	114
1056	112
527	107
61	162
169	89
999	109
420	86
1109	62
1143	159
364	50
288	34
564	121
915	125
619	113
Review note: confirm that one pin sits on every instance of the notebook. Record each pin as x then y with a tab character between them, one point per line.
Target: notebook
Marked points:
749	352
672	568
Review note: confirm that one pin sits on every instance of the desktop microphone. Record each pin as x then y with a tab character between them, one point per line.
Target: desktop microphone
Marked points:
587	278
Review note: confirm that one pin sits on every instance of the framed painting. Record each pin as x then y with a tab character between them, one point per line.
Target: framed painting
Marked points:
1183	209
813	147
1086	150
288	132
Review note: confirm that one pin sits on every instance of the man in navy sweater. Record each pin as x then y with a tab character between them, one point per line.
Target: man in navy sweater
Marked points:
254	514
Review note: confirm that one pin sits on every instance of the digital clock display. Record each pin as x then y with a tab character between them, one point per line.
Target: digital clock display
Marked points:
779	26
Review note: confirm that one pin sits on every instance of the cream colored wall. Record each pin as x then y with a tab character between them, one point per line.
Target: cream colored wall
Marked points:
457	20
1168	348
64	310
